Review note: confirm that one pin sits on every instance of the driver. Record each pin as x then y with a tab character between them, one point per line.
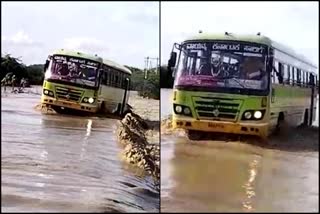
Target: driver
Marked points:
253	68
206	64
73	69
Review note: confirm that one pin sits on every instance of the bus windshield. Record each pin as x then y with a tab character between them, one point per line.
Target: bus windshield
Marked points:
72	69
223	66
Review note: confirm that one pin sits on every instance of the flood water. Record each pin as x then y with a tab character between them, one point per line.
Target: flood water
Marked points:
59	163
234	176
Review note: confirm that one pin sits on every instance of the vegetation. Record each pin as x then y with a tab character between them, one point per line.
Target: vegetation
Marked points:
9	64
148	87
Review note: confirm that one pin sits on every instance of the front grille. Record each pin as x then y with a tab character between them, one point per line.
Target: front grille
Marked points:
68	94
225	109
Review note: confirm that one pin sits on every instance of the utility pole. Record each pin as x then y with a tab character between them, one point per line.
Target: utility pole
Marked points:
147	66
157	63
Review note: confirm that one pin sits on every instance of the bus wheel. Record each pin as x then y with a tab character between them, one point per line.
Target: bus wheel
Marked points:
127	111
118	111
305	118
280	123
101	108
194	135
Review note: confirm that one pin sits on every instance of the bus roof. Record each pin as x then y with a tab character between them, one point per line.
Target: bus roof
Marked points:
260	39
116	66
77	54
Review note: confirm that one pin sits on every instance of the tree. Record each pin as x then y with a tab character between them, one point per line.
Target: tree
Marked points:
14	65
35	74
148	87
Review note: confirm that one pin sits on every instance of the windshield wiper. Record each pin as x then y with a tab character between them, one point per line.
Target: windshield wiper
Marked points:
75	78
233	78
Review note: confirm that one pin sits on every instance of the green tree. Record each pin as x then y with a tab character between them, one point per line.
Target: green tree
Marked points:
35	74
12	65
148	87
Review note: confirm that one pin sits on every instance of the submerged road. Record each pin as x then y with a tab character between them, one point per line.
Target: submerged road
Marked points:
55	163
219	176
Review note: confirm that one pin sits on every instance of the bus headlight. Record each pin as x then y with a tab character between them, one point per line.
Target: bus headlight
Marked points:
186	111
178	109
247	115
90	100
181	109
257	114
253	114
48	93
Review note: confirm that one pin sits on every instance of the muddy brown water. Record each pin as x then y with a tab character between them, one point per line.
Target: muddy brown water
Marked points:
55	163
239	176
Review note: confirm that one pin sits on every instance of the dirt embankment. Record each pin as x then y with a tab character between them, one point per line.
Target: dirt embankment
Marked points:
131	134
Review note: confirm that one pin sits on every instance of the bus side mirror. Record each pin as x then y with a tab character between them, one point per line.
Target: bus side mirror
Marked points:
171	64
46	65
172	60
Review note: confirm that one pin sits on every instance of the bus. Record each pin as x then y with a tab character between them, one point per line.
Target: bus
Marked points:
113	91
75	82
240	84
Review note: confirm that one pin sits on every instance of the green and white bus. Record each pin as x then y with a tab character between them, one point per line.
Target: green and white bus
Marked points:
114	87
241	84
77	81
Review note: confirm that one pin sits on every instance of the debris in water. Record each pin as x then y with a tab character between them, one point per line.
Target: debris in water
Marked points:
131	133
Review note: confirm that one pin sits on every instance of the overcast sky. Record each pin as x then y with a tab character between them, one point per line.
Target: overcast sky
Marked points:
295	24
125	32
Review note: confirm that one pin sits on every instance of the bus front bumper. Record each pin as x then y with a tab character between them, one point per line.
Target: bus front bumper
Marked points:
257	129
48	101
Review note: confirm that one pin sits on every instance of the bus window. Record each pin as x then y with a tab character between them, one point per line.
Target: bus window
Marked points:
119	81
109	77
287	73
305	79
112	78
116	79
104	78
309	79
302	78
298	76
124	81
275	72
120	78
280	73
293	76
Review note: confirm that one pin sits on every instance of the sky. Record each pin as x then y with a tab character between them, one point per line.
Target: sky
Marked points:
125	32
294	24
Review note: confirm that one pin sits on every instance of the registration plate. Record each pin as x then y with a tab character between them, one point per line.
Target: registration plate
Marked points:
64	103
215	125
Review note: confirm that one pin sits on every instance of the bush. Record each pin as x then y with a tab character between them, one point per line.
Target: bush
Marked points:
149	87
